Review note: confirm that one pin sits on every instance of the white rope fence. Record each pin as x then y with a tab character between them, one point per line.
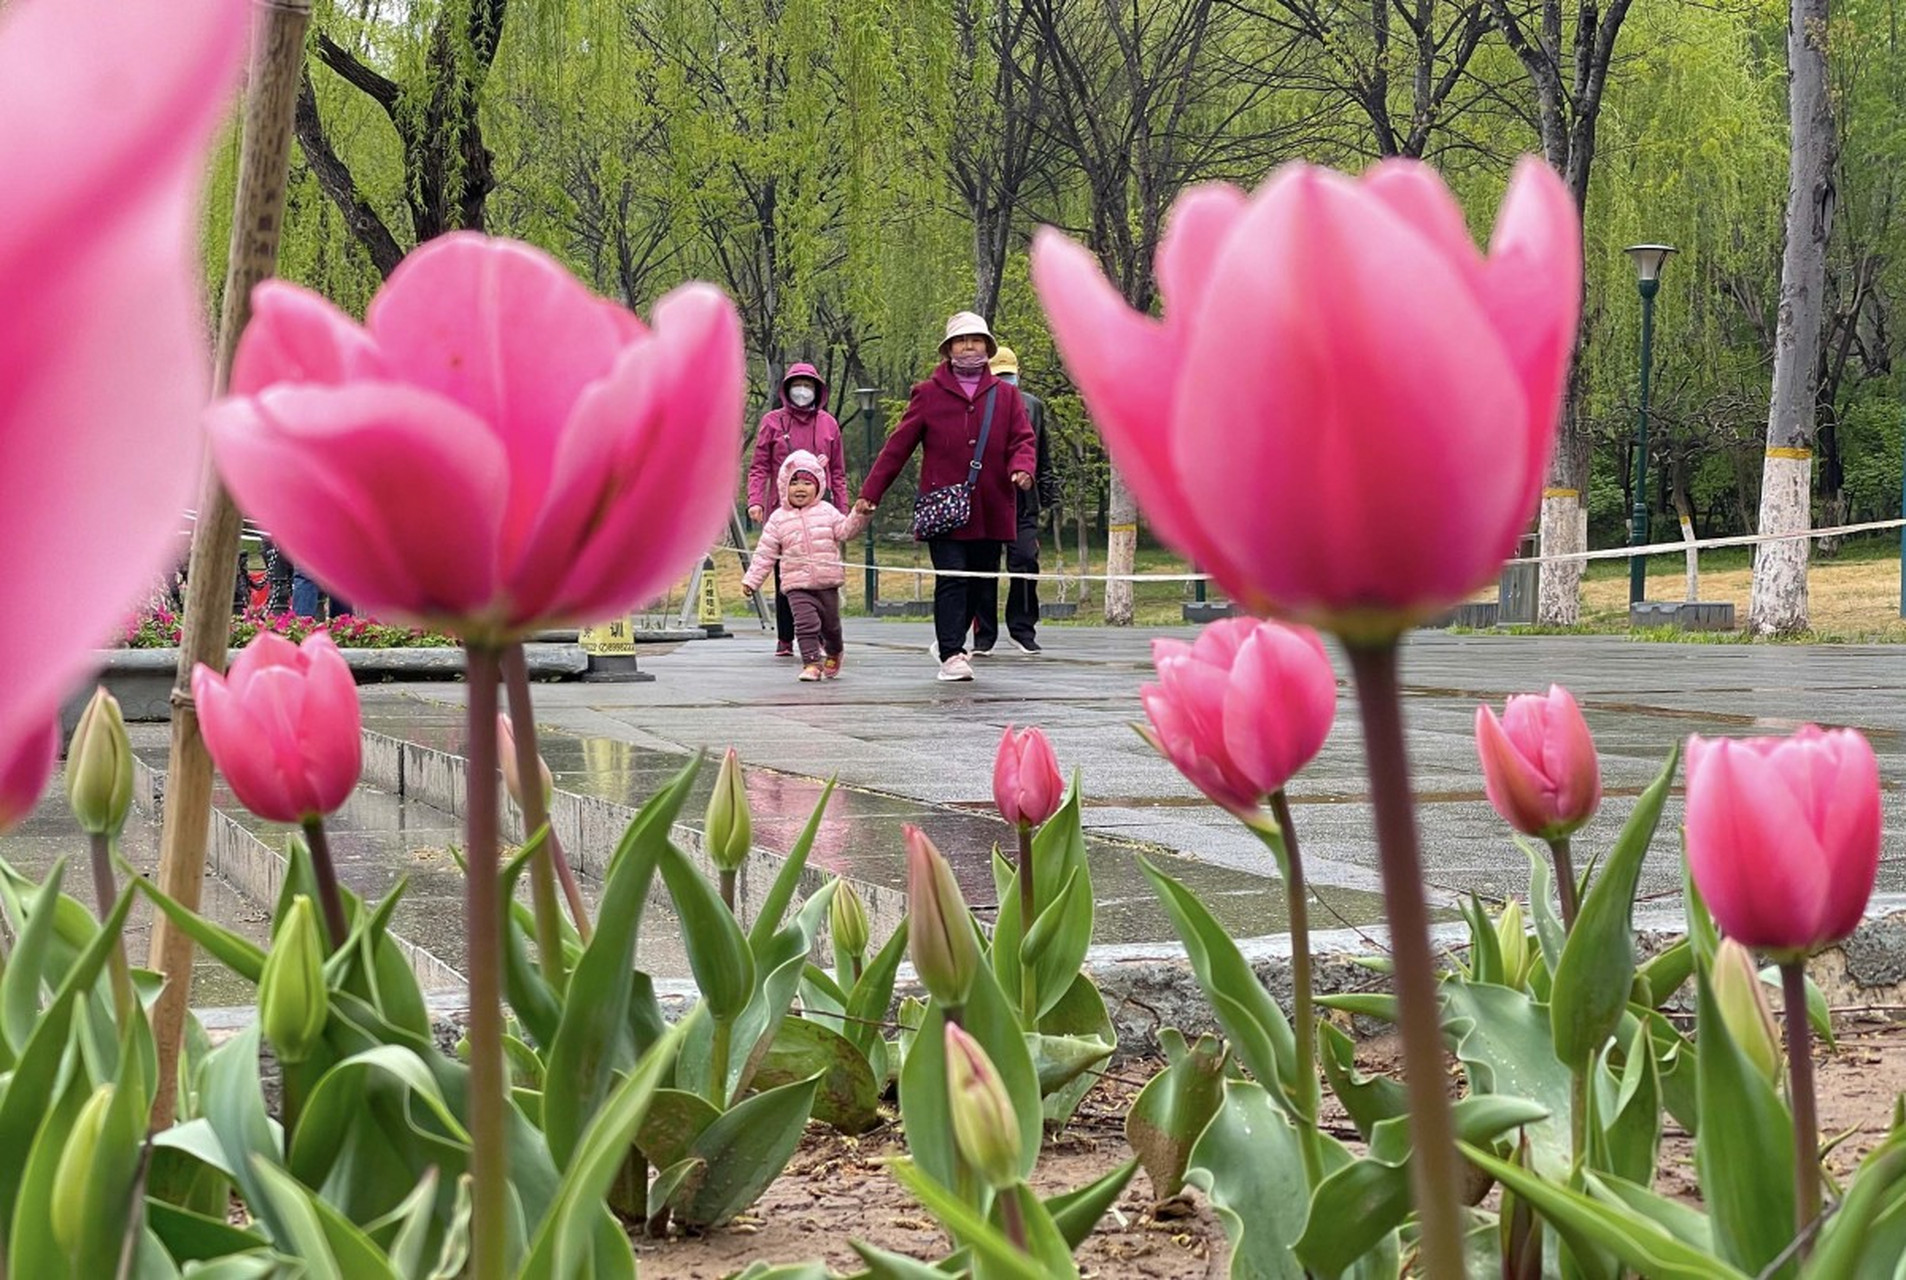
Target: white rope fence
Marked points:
1609	553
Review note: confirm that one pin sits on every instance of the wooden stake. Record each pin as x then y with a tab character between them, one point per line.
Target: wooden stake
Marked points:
257	223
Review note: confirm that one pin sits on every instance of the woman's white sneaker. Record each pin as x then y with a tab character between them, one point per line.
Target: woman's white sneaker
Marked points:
956	668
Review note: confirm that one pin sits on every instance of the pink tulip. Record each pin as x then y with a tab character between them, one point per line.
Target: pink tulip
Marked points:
1539	764
496	449
106	112
1027	785
25	771
1783	835
1242	709
283	726
1346	413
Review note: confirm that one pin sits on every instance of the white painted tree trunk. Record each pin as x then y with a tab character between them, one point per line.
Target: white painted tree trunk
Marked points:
1694	560
1121	551
1563	531
1778	605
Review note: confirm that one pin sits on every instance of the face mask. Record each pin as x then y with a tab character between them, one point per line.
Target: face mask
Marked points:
969	364
801	394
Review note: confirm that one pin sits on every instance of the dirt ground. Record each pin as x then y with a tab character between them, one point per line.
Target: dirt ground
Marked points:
835	1190
1851	599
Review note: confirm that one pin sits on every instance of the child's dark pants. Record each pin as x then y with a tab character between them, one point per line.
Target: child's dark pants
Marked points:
816	622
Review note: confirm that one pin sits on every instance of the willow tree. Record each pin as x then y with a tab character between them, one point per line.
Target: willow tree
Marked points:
1778	604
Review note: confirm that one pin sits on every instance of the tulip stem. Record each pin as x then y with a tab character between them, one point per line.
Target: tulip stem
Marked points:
483	930
1013	1219
1028	975
1564	880
106	890
1435	1170
1283	844
727	884
542	865
1800	1097
322	867
718	1063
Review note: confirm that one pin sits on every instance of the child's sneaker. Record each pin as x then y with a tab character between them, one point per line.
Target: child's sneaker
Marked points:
785	649
830	667
811	672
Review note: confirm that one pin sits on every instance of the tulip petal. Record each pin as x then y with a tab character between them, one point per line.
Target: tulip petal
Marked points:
1334	402
1103	341
1200	220
502	329
296	335
647	468
1415	192
25	771
1754	858
235	741
362	486
330	727
1516	790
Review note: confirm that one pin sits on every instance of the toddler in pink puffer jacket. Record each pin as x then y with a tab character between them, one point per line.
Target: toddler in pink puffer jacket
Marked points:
805	534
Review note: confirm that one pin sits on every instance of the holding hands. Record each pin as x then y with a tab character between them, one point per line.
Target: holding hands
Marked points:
863	507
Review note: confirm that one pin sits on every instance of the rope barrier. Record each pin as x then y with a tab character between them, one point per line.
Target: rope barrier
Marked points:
1608	553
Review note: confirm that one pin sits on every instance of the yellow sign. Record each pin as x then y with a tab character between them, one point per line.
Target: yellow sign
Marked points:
708	611
615	636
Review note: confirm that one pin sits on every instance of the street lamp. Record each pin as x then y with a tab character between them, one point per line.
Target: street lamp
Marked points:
869	398
1648	260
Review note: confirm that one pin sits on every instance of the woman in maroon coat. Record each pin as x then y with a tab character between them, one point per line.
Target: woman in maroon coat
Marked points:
945	414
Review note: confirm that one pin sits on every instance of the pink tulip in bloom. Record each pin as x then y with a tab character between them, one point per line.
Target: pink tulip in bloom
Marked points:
1539	764
282	726
25	771
106	113
1346	412
1242	709
1027	785
495	449
1783	835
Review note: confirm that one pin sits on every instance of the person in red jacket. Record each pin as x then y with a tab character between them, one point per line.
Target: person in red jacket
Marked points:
943	419
800	421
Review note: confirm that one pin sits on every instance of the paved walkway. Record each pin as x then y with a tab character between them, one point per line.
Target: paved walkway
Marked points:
907	748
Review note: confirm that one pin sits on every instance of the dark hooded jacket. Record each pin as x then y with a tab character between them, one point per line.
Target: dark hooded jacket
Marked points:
786	429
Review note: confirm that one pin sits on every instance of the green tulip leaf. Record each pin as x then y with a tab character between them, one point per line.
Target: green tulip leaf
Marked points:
1589	1225
327	1241
1379	1006
1077	1032
593	1041
1819	1017
196	1237
1597	969
777	968
882	1265
1045	1245
1077	1213
1502	1038
867	1004
1485	949
718	953
1624	1126
1550	934
1665	973
848	1099
745	1149
1866	1236
25	971
1741	1153
1249	1162
1368	1099
987	1242
1172	1110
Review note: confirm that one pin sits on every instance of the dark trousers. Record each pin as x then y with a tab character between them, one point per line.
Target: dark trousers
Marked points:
957	601
1022	594
816	621
783	612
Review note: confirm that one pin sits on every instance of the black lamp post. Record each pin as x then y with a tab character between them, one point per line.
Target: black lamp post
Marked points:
1648	260
869	398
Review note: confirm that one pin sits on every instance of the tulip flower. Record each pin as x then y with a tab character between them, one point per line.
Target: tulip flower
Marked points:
1783	835
940	937
1027	785
1334	356
1783	843
985	1128
283	725
99	767
25	770
495	449
1242	709
284	728
106	114
1541	773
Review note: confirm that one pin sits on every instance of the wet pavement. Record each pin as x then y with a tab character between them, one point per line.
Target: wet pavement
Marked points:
908	749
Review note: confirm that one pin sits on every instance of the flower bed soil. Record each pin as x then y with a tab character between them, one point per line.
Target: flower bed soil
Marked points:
836	1190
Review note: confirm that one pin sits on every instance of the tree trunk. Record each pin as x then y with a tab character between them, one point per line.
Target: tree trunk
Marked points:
1562	527
1121	551
1778	605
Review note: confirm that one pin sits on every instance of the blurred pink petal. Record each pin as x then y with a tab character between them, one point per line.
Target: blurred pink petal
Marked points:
25	770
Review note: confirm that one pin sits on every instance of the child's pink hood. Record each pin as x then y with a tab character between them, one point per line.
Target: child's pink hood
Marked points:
802	460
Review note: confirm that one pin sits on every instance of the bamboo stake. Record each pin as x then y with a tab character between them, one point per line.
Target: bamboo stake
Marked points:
257	222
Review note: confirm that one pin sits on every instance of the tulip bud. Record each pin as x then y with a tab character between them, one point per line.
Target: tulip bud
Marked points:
728	831
24	772
1539	764
72	1176
1518	956
985	1128
939	928
293	1001
1743	1005
1027	785
847	919
512	779
99	767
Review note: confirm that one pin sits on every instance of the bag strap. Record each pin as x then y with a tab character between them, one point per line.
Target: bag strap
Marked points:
985	426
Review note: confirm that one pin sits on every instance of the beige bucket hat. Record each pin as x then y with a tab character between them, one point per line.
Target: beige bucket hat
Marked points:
961	323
